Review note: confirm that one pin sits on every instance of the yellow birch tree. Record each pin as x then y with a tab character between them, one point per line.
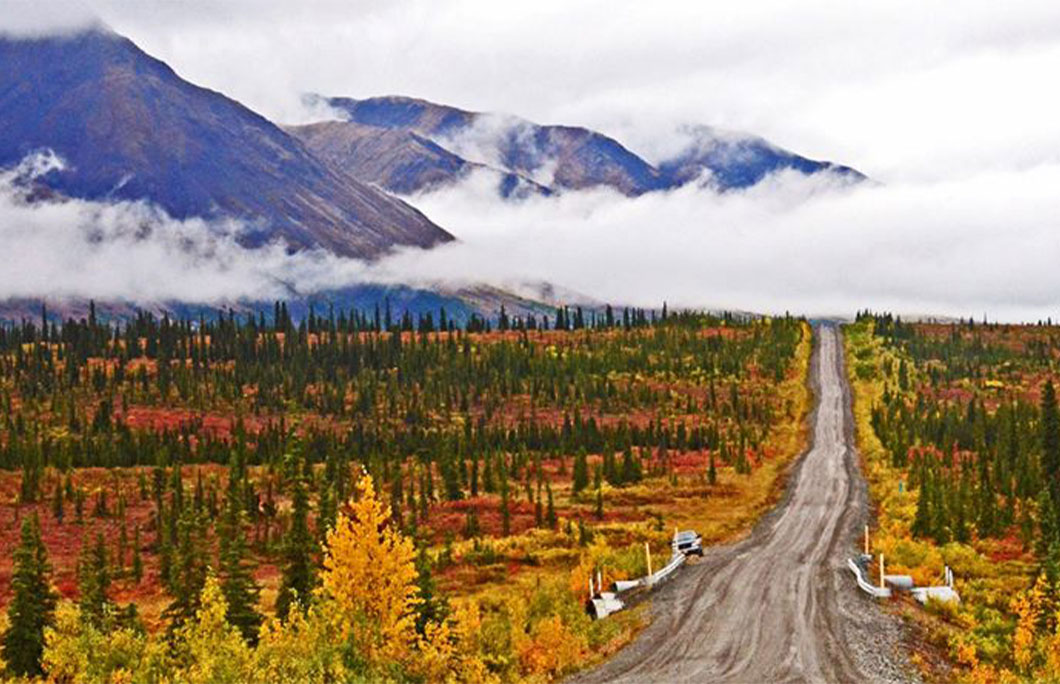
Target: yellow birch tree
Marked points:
370	574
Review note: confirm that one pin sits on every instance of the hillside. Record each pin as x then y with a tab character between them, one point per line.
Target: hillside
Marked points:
130	128
559	157
555	157
399	160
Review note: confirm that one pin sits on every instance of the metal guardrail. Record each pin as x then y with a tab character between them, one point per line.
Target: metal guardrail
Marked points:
676	561
864	585
603	603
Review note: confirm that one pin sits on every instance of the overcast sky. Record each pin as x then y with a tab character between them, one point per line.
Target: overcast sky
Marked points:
953	106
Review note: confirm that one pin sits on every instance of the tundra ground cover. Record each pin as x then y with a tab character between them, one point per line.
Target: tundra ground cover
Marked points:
517	455
960	442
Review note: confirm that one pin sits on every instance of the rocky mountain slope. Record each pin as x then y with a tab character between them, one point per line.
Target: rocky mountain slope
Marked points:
409	145
399	159
130	128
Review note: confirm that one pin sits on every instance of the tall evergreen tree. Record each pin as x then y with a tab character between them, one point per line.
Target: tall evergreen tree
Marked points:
432	606
924	516
580	476
298	571
506	511
93	581
32	604
550	511
631	471
1050	439
57	503
189	571
137	560
236	577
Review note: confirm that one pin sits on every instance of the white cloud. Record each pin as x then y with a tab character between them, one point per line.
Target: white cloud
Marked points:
27	18
985	244
812	245
133	251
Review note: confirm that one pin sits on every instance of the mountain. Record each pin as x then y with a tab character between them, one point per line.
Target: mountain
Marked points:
129	128
400	160
557	157
731	161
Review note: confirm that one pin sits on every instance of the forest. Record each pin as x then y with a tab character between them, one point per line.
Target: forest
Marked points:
960	430
362	496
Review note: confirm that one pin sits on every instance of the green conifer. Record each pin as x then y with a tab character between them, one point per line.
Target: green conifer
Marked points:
298	575
93	581
32	604
236	573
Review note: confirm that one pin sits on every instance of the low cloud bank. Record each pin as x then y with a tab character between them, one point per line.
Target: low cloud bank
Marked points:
813	245
989	244
134	251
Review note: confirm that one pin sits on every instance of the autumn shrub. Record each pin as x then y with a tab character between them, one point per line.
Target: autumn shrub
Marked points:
209	649
306	648
495	637
550	649
80	652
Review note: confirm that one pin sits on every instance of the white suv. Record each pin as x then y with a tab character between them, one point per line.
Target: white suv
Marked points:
688	543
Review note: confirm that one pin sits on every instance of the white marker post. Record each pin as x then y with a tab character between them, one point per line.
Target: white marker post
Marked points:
881	572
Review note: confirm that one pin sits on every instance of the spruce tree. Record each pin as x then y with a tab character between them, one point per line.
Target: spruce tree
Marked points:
506	511
93	581
580	476
923	519
32	604
137	560
1050	439
298	575
236	577
631	472
327	509
57	503
550	512
539	515
432	608
189	571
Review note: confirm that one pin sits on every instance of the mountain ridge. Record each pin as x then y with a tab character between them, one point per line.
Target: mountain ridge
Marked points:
562	158
129	128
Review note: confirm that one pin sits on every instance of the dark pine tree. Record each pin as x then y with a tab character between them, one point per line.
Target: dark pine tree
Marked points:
550	511
580	476
1050	440
137	560
236	573
32	604
93	582
189	571
630	467
432	607
298	576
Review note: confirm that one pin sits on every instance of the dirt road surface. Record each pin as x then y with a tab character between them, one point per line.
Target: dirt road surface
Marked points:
779	606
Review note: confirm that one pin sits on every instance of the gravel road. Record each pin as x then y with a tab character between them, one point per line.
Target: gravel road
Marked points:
780	605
